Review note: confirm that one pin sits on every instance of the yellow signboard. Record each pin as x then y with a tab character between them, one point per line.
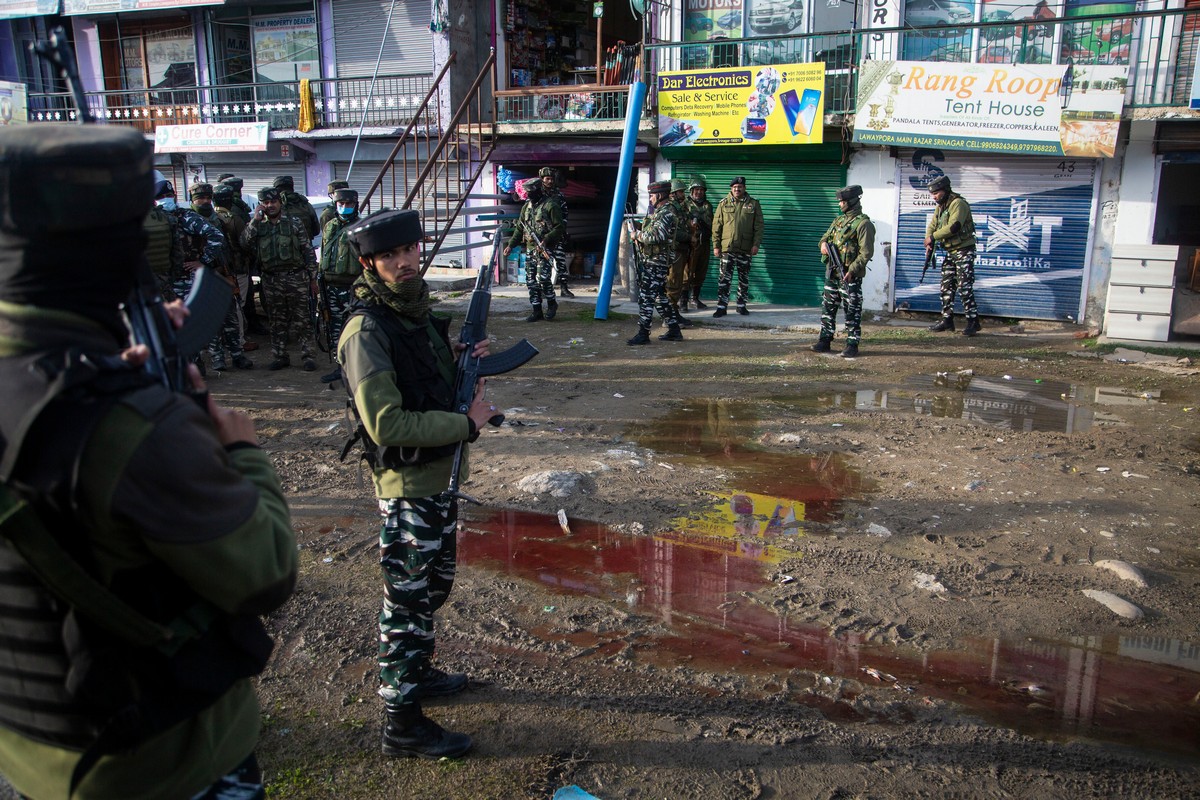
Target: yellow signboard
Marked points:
780	104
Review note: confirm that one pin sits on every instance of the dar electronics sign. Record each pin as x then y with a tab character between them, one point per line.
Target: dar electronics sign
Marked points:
211	138
1054	110
780	104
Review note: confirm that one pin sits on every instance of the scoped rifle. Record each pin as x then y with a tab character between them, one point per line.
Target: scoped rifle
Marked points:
930	260
472	368
148	320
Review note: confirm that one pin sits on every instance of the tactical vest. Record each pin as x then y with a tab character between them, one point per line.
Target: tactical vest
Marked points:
843	235
340	265
961	239
280	246
419	378
85	666
663	215
160	228
233	255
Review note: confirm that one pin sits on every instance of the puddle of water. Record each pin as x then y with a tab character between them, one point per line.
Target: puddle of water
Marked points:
1139	691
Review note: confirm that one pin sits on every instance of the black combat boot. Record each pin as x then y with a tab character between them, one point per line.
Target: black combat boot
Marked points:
851	351
408	733
435	682
551	308
536	314
696	299
743	310
564	291
241	362
943	324
642	337
335	375
279	363
973	327
720	312
821	346
673	334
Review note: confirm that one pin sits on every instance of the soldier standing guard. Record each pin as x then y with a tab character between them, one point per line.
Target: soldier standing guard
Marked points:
331	212
737	234
540	228
339	269
240	260
853	235
286	258
683	251
549	179
296	205
656	242
700	221
953	227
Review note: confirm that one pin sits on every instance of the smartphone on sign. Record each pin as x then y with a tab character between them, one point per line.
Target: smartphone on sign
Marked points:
791	107
808	112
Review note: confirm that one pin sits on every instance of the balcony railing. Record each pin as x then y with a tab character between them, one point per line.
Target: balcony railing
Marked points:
1160	48
567	104
337	103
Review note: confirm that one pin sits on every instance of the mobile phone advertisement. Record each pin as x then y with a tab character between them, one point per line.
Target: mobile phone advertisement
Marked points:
778	104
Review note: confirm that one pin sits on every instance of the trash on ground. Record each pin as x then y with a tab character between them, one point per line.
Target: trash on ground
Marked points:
1118	605
1123	570
879	676
1127	474
875	529
562	522
1103	469
923	580
973	486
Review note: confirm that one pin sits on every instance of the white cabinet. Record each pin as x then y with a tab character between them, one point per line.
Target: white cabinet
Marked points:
1140	289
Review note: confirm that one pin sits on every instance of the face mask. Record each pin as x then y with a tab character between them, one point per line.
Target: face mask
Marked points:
204	211
167	204
346	211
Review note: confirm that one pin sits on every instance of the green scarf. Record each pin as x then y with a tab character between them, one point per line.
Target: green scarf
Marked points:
409	299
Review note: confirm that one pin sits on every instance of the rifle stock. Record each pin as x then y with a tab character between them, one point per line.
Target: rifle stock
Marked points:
471	368
930	260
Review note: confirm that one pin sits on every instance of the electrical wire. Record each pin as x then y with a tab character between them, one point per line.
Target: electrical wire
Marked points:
370	92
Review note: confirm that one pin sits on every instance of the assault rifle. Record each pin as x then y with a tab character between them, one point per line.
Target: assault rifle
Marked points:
170	349
930	260
472	368
631	228
835	259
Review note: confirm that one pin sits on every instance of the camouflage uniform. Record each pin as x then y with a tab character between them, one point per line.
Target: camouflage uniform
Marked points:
338	291
164	249
226	344
683	249
853	234
656	242
542	218
240	260
953	227
286	258
737	230
700	217
201	242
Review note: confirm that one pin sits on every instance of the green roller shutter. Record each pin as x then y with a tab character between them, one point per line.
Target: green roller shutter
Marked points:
798	204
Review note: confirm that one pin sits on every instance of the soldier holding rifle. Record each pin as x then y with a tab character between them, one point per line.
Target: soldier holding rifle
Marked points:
846	248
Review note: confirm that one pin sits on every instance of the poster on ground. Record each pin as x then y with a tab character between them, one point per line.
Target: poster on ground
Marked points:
1051	110
783	104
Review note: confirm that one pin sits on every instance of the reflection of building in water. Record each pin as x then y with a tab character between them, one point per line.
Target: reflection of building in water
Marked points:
1136	690
1018	404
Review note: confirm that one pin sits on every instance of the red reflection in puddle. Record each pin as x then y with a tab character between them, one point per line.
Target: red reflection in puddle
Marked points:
1138	691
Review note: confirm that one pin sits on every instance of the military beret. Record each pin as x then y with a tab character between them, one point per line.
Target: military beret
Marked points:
234	181
384	230
223	192
62	178
284	182
345	195
546	172
659	187
268	193
850	192
678	185
532	183
940	183
335	185
739	180
201	190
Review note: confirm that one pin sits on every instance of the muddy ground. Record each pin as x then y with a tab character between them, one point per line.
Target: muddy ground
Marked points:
911	624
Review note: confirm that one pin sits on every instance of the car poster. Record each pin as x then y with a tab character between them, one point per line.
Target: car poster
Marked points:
780	104
708	21
1028	41
1102	41
1051	110
947	43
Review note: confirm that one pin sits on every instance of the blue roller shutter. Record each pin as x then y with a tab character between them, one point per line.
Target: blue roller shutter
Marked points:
1033	223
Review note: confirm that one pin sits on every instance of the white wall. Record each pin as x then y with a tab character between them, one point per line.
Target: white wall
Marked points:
1138	187
875	171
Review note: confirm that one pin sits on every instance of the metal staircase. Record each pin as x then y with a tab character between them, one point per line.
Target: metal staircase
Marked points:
436	162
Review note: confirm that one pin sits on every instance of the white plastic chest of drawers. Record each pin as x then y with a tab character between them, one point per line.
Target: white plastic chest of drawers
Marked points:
1141	287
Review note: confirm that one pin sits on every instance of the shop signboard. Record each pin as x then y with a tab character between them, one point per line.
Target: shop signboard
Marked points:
73	7
1194	100
285	47
1032	228
225	137
11	9
13	107
706	21
782	104
1027	109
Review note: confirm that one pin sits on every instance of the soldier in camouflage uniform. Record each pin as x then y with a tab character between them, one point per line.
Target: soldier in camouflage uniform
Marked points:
296	205
238	207
853	235
239	259
683	251
331	211
226	346
286	258
339	268
251	322
737	234
540	222
164	246
656	243
700	221
953	227
549	178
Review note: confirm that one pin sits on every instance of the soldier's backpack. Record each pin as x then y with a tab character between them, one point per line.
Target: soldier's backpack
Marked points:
342	266
160	228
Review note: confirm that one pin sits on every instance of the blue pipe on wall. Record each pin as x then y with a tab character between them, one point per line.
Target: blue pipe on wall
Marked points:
633	116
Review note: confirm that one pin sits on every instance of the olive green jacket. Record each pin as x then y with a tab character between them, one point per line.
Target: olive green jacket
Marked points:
853	234
952	225
737	224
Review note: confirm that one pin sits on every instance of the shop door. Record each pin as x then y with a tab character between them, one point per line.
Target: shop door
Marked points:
798	202
1032	222
255	176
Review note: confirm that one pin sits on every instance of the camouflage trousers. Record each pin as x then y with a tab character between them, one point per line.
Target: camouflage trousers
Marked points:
418	553
228	340
697	268
849	296
652	294
560	269
730	262
180	287
683	254
958	276
539	277
286	297
337	300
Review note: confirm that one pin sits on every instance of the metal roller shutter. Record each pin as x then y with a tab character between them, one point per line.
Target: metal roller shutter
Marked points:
255	176
1033	225
358	28
798	202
